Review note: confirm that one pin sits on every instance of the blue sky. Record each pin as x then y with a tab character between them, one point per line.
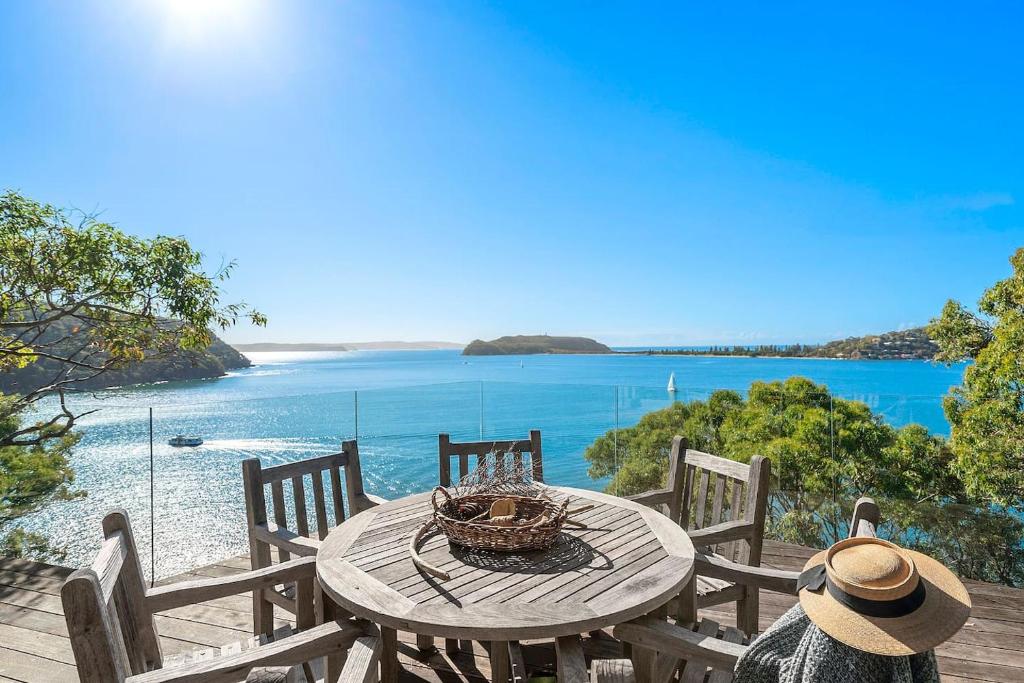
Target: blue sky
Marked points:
659	173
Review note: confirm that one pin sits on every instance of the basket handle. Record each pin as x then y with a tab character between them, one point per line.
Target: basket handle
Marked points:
433	496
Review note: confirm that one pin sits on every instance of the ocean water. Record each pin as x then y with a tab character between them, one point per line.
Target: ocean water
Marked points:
293	406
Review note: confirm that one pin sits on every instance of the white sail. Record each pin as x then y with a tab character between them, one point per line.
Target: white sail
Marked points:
672	382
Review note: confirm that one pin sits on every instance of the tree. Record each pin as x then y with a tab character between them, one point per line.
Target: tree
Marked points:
30	477
817	444
986	412
79	300
85	298
826	452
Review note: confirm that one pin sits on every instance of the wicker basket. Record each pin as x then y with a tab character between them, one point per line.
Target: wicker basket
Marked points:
454	516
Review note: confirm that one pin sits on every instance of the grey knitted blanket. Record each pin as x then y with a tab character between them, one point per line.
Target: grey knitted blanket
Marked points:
794	650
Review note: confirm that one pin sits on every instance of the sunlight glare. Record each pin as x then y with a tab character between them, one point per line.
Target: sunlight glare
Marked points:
198	21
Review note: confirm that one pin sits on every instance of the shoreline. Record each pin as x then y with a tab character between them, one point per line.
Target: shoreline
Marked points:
736	355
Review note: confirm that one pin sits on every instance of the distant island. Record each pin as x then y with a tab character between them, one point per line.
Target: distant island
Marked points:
215	361
912	344
533	344
351	346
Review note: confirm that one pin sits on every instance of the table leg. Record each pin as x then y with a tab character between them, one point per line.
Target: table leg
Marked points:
388	655
499	661
335	662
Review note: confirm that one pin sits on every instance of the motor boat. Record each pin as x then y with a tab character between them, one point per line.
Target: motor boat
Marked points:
181	440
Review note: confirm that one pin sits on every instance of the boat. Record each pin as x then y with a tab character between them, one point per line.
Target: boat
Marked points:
181	440
672	383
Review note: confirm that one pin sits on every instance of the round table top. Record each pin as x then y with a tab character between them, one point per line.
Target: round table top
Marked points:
629	561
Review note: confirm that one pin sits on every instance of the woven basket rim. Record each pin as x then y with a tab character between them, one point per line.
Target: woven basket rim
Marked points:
549	505
477	534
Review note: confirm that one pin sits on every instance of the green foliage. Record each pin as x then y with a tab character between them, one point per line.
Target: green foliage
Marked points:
31	477
902	344
21	543
986	412
815	442
78	301
976	542
87	298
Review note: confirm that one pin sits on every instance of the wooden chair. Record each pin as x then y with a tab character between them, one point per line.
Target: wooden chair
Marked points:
490	454
109	613
723	505
701	648
265	534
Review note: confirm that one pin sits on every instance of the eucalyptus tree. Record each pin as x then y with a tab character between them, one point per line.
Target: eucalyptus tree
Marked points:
79	298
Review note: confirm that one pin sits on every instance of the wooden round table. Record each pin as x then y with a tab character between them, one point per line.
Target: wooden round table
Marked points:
628	561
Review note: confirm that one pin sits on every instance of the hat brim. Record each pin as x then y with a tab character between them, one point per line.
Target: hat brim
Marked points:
944	611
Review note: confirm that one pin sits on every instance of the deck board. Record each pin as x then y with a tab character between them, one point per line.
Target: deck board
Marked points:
34	647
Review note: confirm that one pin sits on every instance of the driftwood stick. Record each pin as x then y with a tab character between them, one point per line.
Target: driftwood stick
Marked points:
420	563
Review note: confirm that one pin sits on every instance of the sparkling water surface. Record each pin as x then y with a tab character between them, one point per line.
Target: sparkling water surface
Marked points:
291	406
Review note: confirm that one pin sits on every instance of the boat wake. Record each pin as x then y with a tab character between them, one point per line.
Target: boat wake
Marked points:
271	450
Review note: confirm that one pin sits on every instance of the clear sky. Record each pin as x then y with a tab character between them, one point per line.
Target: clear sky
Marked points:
638	173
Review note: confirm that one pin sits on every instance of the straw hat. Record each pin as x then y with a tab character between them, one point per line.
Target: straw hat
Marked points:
877	597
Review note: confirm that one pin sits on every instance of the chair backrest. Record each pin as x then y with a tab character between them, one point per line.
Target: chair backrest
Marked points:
493	455
707	490
112	631
257	478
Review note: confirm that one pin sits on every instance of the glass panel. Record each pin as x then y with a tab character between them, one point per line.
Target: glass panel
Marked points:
200	507
111	464
569	416
398	431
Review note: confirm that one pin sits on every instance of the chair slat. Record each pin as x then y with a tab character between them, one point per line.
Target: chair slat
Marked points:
731	635
735	513
702	499
684	508
280	515
499	464
336	496
444	472
716	502
463	465
108	562
301	520
695	669
318	504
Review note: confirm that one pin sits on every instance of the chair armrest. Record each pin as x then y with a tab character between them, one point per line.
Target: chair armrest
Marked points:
368	500
652	498
717	567
326	639
738	530
663	637
285	539
191	592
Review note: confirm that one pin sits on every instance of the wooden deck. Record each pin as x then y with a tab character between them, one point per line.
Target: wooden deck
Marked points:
34	645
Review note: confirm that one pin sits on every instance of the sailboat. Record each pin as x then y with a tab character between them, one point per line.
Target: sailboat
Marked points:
672	383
